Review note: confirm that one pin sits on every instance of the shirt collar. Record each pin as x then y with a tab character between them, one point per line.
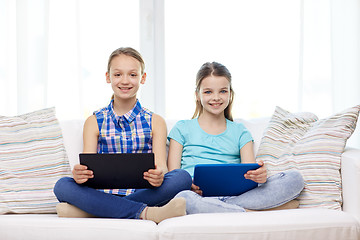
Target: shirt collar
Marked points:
129	116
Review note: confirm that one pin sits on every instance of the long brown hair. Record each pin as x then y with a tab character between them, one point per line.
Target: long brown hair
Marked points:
213	69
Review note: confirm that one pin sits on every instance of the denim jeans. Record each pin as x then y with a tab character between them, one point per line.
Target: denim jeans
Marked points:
278	189
113	206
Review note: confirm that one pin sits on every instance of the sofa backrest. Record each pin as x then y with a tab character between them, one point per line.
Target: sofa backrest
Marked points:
72	134
257	127
73	139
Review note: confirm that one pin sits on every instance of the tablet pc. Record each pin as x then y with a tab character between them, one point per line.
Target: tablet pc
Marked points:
224	179
118	170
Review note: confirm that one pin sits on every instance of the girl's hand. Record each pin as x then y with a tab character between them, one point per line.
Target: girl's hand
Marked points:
196	189
154	176
81	174
259	175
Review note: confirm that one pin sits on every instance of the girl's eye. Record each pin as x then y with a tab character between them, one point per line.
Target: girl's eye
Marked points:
133	75
224	91
117	74
207	92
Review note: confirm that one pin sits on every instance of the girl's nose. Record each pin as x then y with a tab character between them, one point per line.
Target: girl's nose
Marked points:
124	79
216	96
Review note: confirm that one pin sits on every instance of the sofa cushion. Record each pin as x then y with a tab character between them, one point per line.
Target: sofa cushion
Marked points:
50	226
295	224
314	147
32	159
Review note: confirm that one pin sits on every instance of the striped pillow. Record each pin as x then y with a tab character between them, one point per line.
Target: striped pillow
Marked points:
312	146
32	159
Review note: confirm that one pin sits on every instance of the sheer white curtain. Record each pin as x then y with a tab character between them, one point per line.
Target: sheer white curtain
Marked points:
8	73
345	55
303	54
330	74
82	34
55	52
257	40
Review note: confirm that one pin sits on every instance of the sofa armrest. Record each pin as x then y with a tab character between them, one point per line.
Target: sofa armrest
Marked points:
350	174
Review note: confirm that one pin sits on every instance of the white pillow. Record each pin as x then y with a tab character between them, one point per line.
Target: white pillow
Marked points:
314	147
32	159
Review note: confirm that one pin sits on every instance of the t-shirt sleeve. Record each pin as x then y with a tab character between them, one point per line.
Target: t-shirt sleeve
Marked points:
177	132
245	135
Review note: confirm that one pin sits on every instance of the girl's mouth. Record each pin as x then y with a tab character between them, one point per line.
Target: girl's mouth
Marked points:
125	89
215	104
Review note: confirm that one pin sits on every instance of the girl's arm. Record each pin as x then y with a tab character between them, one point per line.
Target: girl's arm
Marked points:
174	155
247	156
159	141
174	160
247	153
90	135
90	139
159	134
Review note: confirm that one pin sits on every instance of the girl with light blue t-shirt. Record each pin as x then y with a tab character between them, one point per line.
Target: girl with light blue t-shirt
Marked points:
212	137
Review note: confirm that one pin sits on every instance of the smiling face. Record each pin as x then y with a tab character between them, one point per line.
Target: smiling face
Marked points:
125	77
214	94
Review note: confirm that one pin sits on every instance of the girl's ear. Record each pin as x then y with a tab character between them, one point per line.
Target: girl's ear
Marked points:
143	78
197	96
107	77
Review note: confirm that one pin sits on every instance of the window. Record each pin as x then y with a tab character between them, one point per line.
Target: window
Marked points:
257	40
79	47
302	55
56	52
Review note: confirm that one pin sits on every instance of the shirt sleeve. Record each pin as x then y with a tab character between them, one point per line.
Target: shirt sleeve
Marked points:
245	135
177	131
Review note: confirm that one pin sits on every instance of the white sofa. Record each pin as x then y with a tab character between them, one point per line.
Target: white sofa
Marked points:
295	224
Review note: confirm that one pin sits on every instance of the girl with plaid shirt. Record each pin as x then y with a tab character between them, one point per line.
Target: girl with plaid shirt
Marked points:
124	126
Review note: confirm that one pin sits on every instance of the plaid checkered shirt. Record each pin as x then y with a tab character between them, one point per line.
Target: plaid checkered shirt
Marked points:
129	133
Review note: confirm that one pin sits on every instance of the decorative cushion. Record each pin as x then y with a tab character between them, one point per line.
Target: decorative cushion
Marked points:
32	159
314	147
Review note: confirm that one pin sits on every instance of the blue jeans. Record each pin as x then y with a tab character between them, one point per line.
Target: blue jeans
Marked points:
278	189
113	206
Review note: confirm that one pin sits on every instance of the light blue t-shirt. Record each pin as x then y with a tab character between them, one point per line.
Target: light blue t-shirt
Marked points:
200	147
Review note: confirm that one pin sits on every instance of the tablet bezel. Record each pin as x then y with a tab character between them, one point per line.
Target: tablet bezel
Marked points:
224	179
118	170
